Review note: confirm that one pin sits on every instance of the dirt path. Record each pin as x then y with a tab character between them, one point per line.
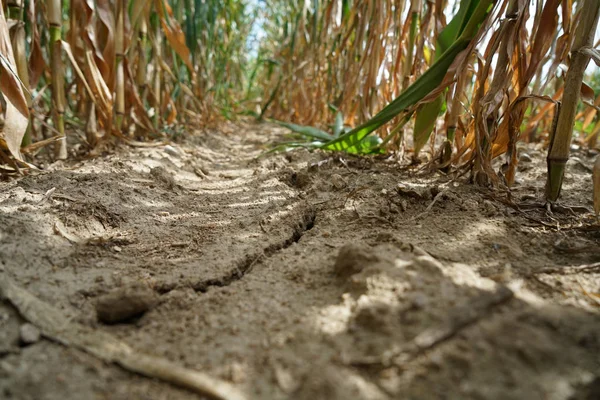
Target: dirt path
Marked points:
301	276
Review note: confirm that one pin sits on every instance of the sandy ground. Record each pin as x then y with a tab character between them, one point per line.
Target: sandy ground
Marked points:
301	276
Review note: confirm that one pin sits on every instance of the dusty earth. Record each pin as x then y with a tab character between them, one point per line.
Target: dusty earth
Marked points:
301	276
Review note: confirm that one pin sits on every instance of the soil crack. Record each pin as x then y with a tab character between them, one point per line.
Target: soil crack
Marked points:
303	224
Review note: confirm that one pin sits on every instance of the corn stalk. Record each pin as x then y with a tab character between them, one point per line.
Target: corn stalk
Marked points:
560	142
54	9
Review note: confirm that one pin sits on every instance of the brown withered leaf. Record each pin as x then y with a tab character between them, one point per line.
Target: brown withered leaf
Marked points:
588	96
173	32
546	28
102	95
105	40
10	85
37	63
138	111
16	117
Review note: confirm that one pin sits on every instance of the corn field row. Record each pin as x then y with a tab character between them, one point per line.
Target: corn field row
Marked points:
354	76
103	69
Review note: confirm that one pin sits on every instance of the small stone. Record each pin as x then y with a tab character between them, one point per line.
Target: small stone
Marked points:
338	182
124	304
286	380
237	373
172	151
117	249
29	334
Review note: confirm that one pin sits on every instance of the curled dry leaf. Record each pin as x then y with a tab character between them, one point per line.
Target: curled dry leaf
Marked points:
16	109
596	187
173	32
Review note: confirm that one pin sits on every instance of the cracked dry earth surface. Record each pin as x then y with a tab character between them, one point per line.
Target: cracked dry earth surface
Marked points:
301	276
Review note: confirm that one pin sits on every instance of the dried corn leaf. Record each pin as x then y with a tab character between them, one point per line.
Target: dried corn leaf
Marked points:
15	125
105	36
37	63
173	32
10	84
588	96
16	109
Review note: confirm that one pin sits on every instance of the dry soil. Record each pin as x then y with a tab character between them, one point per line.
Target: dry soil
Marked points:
302	275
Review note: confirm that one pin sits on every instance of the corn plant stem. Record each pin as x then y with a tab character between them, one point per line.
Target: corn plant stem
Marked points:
58	95
558	152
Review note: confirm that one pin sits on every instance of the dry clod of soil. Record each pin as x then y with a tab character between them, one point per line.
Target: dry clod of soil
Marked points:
338	182
296	179
353	258
124	304
490	208
415	192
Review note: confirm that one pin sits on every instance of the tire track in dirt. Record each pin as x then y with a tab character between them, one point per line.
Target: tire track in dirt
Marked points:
304	223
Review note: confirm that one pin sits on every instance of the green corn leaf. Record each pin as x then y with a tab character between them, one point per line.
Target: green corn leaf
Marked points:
425	121
426	83
427	114
371	145
455	27
307	131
